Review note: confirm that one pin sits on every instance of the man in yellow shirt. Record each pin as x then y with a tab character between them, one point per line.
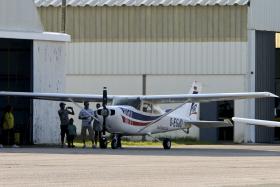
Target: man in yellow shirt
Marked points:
8	126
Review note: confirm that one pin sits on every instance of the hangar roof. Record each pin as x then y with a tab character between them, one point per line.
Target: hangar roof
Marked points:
82	3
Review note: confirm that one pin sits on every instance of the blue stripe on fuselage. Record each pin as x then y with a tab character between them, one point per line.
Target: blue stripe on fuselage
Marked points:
138	116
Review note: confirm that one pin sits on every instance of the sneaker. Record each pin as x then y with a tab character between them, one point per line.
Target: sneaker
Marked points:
1	146
15	146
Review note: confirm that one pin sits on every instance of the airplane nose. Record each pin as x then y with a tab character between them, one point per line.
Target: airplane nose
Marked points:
105	112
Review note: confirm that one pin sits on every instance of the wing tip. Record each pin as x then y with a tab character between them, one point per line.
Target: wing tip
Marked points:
271	95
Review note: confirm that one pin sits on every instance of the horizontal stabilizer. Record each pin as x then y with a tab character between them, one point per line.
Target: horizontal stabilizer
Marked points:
264	123
210	124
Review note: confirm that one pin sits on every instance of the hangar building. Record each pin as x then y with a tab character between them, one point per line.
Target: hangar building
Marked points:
161	47
28	56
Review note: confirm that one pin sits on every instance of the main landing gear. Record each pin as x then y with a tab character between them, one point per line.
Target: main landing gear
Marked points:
115	143
166	143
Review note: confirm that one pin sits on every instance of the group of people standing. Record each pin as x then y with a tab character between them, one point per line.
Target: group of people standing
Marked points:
89	123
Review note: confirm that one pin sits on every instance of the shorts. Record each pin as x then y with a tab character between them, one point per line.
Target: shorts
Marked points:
84	132
63	130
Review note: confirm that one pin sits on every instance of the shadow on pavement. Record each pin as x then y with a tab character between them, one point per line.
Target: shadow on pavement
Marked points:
211	151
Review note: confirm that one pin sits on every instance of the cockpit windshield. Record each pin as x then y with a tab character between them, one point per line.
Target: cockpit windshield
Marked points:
134	102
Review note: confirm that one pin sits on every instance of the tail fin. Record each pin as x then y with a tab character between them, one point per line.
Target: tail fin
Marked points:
190	110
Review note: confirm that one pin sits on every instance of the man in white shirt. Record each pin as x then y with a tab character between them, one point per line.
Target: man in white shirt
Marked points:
86	115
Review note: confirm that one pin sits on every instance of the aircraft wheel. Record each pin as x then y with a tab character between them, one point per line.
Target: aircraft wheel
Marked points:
166	143
103	142
114	143
119	141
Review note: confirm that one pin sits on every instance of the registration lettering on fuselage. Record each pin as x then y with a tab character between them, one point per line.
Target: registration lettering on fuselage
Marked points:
176	122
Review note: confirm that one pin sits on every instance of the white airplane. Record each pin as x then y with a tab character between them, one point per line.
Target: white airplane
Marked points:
142	115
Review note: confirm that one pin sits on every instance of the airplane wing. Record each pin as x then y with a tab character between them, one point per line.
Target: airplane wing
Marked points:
57	96
210	124
264	123
179	98
201	98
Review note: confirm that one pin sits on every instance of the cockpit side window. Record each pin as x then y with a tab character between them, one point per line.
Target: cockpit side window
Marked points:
134	102
147	107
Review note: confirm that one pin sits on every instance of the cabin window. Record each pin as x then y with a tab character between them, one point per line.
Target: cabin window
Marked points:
147	107
128	102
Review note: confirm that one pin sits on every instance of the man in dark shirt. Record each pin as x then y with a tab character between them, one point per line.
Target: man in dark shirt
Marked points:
64	120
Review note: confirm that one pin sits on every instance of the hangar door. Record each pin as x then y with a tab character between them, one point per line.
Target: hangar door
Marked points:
16	75
265	81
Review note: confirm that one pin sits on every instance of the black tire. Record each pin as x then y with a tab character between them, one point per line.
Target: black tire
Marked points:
103	143
166	143
119	141
114	143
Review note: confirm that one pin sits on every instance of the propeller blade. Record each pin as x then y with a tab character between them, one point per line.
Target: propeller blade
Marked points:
104	126
105	111
104	101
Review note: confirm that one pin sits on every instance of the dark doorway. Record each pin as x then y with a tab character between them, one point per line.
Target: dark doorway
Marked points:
265	81
225	111
277	92
216	111
16	71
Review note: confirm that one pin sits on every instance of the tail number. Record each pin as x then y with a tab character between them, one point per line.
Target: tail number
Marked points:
176	122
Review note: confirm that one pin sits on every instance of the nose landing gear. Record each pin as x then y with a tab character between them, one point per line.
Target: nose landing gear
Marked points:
103	142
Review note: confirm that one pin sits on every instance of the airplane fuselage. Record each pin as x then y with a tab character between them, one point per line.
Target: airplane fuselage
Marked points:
129	121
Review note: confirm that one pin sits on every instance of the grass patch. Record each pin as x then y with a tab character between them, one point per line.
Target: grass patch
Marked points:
127	142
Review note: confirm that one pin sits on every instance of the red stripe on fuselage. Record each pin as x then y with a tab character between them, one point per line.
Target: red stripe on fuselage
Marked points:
134	123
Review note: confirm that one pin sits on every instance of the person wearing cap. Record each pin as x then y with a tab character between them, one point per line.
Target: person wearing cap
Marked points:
86	115
64	120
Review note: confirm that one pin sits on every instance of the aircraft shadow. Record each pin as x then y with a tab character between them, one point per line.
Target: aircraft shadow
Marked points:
150	151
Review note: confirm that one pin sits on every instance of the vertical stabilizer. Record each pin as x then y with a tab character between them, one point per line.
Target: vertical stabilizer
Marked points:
190	110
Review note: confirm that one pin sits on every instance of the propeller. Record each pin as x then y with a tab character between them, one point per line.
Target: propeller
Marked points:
105	111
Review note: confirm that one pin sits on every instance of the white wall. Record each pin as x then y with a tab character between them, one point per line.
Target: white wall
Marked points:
116	58
49	76
19	15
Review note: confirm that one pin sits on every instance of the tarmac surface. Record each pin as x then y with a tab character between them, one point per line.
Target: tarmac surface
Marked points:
195	165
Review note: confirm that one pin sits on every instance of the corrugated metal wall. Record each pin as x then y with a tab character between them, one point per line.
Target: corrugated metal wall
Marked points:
157	58
150	24
51	18
265	81
264	15
153	40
